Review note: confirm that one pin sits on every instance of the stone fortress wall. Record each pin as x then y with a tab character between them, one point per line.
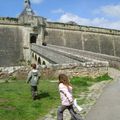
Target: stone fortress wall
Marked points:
94	39
10	45
15	41
17	34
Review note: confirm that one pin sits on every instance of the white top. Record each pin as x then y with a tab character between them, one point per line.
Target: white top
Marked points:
68	92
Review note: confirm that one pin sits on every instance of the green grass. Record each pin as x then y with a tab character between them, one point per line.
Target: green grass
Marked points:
81	84
88	81
16	102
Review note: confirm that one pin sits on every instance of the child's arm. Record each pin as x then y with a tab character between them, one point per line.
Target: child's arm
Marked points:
29	77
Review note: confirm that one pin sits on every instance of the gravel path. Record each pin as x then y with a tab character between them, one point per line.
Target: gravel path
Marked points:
108	105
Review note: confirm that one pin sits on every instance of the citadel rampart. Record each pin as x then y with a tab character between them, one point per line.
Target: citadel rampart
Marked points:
10	45
8	20
99	40
14	41
17	35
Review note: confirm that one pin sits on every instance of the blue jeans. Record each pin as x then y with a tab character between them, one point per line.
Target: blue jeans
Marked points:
74	115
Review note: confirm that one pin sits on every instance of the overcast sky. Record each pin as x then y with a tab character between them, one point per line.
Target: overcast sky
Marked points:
99	13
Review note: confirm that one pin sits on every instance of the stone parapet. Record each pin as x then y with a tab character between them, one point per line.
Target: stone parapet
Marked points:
85	69
52	71
66	26
8	20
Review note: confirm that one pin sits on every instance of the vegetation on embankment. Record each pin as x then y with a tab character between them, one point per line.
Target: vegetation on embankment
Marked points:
16	102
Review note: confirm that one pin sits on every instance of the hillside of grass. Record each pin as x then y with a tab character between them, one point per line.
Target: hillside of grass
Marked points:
16	102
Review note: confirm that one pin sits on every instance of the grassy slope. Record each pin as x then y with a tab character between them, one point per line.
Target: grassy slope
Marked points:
16	102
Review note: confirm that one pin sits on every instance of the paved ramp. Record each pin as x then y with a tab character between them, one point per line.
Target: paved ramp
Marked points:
64	55
52	55
108	105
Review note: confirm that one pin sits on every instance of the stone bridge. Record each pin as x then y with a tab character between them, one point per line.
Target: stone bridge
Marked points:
52	54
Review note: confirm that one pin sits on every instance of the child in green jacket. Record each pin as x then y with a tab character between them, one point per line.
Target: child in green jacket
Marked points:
33	79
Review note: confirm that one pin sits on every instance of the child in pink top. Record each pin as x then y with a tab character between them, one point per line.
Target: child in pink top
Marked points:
65	90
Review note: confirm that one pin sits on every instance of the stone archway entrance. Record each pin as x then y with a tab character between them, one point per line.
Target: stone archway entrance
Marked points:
33	38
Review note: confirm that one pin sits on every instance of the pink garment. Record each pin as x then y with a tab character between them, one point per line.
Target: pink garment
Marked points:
68	93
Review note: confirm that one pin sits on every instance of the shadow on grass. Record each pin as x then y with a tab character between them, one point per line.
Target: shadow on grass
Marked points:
42	95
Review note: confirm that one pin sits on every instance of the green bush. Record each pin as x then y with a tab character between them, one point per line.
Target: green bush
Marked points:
103	78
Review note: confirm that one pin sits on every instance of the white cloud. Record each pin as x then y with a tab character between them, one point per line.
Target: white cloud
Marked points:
109	10
108	16
72	17
97	22
36	1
